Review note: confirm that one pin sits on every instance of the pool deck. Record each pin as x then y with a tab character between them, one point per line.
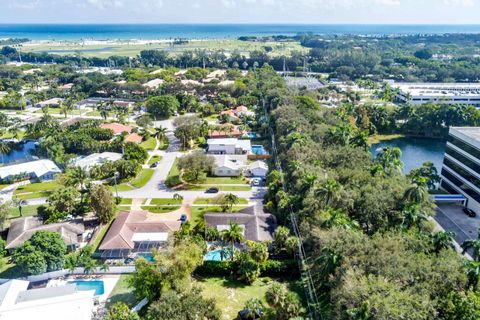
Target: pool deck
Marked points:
109	282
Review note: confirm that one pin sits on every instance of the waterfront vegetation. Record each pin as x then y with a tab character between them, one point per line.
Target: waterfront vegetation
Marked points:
365	226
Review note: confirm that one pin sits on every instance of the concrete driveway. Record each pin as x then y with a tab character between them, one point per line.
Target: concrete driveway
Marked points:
451	217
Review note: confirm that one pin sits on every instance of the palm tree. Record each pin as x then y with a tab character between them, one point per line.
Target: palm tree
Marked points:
161	133
103	109
416	193
389	160
231	199
442	240
412	215
78	178
253	309
104	267
328	191
234	234
473	274
66	107
474	245
328	262
89	267
4	149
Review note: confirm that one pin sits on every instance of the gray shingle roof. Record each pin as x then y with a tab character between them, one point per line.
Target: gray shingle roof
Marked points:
259	227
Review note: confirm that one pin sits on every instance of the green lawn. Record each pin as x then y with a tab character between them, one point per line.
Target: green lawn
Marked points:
3	186
126	201
213	117
27	211
33	195
9	270
174	169
165	201
121	292
142	178
38	187
208	201
149	144
154	158
121	187
94	113
225	180
231	295
160	209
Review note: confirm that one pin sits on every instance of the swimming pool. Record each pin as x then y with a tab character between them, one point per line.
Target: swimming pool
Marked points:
147	256
258	150
216	255
86	285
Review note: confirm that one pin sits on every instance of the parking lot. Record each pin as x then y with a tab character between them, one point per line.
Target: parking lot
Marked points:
451	217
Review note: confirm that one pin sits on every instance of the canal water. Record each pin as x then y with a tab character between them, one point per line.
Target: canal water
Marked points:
415	151
21	152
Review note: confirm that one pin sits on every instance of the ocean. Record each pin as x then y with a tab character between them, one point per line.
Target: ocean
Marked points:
210	31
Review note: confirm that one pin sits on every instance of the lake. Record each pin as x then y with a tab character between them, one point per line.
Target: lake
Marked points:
415	151
21	152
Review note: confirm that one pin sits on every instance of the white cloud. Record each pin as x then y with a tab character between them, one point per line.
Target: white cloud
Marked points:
28	5
463	3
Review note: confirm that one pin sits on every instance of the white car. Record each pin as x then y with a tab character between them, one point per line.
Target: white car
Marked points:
256	182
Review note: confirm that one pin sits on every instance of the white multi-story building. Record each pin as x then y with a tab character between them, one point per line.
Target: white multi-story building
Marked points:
449	93
461	164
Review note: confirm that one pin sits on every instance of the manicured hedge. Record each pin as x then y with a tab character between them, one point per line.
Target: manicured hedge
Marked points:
271	268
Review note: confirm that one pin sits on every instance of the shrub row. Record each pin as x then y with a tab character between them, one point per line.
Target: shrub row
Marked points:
271	268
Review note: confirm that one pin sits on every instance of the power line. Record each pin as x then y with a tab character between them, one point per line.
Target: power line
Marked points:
312	299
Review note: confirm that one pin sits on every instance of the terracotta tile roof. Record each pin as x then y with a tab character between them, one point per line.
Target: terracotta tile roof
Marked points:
121	232
134	137
117	128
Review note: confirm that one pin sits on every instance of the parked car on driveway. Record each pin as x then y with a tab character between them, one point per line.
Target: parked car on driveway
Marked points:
256	182
183	218
469	212
154	165
212	190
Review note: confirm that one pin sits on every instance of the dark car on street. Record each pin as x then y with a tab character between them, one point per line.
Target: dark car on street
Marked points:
212	190
469	212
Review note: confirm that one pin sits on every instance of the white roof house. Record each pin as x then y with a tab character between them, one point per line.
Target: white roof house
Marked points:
96	159
53	303
229	146
42	169
54	102
229	165
154	84
257	169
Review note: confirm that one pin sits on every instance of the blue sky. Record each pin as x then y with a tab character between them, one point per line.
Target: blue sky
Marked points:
241	11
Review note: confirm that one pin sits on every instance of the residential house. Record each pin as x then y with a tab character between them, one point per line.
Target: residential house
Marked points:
229	165
257	169
54	103
22	229
136	231
154	84
243	111
66	87
117	128
17	302
134	137
231	115
39	169
96	159
256	227
229	146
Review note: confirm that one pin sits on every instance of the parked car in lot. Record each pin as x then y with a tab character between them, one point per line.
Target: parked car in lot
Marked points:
469	212
212	190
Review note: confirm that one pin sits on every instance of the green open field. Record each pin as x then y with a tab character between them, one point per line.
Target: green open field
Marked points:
142	178
126	48
165	201
149	144
26	211
36	190
160	209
